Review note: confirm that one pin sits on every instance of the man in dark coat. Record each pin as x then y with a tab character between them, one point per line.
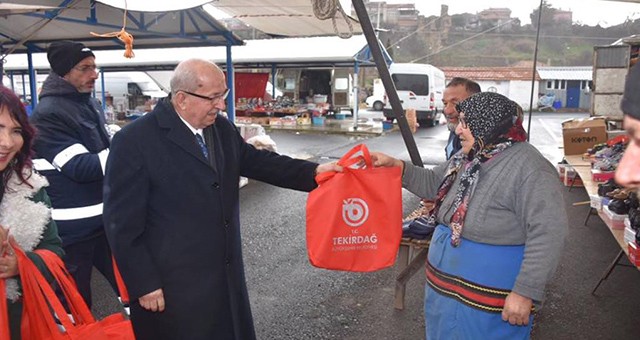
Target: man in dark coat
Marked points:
172	210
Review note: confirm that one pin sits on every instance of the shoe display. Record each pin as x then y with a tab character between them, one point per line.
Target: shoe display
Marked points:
634	218
606	187
618	207
418	228
633	200
607	157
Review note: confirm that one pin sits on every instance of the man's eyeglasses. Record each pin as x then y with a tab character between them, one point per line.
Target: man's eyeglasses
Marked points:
87	68
214	98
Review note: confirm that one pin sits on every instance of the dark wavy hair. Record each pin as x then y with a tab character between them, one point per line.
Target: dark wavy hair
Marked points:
11	103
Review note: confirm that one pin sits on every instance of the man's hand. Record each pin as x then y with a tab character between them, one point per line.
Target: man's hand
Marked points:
153	301
326	167
517	309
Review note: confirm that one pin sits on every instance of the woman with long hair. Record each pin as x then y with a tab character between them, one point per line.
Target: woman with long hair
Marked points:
25	213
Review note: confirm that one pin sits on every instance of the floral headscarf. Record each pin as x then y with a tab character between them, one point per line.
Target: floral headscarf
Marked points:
496	125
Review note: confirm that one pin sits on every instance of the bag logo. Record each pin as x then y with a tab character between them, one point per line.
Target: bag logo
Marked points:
355	212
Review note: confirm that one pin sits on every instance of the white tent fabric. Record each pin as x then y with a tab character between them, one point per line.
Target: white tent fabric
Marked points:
285	17
286	50
154	6
292	18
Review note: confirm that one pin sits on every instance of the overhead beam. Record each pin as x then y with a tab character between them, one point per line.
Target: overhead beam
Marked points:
389	86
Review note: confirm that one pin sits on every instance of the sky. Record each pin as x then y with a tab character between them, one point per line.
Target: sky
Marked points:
588	12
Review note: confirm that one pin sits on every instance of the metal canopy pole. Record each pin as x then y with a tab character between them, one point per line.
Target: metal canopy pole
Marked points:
231	80
392	94
33	81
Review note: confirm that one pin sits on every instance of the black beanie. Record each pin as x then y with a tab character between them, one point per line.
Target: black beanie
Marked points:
64	55
631	99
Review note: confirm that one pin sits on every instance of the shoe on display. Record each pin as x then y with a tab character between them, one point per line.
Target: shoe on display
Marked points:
634	218
618	207
418	228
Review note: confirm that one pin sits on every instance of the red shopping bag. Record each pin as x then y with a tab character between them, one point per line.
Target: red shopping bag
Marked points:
4	312
354	218
40	304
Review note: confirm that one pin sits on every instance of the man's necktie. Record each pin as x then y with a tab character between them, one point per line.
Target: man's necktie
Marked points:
203	146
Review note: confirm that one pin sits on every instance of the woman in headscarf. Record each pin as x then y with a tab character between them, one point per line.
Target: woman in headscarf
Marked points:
500	223
25	213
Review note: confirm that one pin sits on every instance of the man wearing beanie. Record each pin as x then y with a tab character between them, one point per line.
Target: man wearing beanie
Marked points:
628	171
71	149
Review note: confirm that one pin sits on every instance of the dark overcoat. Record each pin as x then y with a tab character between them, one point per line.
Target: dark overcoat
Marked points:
172	219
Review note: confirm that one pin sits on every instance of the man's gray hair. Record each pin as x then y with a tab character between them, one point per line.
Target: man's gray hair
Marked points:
186	75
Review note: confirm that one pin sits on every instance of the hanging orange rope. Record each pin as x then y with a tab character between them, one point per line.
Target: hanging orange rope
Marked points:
122	35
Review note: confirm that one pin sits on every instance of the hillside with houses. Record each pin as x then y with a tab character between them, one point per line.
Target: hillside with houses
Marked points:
491	37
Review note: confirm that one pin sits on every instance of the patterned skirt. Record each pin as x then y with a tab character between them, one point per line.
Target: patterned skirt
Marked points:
466	288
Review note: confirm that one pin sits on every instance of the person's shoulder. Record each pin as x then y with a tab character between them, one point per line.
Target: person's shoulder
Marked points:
224	122
53	105
531	159
139	125
224	125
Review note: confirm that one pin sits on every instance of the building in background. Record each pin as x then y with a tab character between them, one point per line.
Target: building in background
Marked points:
571	85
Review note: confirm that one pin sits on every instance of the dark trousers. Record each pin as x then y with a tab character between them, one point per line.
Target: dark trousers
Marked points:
81	257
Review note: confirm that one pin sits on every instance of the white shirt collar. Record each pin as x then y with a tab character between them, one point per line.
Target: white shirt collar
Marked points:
193	130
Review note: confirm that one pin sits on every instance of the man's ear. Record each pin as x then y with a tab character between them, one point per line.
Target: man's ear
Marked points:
179	100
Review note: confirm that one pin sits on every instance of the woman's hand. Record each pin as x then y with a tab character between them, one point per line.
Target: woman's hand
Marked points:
382	160
4	237
8	260
517	309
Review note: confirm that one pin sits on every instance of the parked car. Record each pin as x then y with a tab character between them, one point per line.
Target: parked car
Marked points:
375	102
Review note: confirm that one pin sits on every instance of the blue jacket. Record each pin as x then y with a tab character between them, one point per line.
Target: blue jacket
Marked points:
453	145
71	149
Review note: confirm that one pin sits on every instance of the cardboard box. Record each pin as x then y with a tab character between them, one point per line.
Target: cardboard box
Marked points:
595	202
571	180
304	121
260	120
275	121
581	134
243	120
629	234
601	176
634	254
613	220
569	176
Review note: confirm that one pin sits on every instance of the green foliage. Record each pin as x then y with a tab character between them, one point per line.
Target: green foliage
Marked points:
559	45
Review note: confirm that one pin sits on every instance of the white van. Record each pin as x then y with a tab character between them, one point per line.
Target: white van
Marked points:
420	87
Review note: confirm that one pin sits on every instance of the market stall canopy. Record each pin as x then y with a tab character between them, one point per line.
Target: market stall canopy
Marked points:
293	18
154	6
9	9
74	19
284	52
